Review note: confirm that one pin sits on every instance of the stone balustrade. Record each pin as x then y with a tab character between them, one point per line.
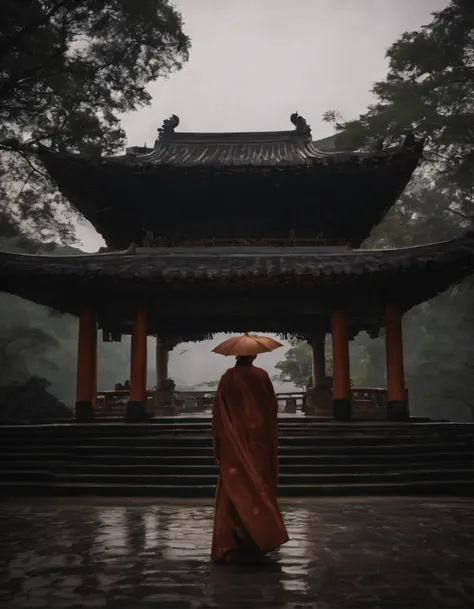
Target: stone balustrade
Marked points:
368	402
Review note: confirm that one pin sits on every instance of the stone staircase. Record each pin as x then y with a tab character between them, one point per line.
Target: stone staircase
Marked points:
173	458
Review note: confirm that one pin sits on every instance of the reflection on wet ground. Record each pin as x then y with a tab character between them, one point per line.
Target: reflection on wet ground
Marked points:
135	553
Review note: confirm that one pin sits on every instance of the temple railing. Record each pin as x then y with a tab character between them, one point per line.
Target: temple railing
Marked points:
236	242
367	402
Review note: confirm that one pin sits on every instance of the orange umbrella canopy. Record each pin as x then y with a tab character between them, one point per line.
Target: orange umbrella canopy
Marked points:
247	344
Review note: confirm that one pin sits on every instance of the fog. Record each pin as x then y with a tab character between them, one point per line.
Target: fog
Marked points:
253	63
192	363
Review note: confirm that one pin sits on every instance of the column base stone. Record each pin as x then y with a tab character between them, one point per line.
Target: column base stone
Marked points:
136	412
84	412
319	401
342	409
397	410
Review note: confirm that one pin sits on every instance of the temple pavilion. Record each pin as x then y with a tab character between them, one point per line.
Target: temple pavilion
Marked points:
217	232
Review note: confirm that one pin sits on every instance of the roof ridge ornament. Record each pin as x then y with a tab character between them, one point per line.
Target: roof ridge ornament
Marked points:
168	126
301	126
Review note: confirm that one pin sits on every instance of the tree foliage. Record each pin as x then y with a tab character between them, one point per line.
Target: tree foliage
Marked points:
30	402
429	89
18	346
295	368
68	70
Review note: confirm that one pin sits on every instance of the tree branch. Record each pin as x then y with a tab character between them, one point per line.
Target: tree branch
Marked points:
460	214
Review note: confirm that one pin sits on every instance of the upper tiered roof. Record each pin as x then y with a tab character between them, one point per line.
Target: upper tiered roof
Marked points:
259	186
257	149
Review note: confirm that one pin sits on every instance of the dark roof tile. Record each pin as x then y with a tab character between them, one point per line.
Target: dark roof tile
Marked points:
221	263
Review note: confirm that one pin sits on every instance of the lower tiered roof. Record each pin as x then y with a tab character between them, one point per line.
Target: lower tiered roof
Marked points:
196	291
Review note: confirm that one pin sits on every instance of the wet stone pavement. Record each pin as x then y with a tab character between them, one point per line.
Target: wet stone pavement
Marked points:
387	553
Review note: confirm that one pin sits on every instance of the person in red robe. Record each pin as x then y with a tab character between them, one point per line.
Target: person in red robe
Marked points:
248	521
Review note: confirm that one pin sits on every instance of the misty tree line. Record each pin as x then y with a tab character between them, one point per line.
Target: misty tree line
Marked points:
69	68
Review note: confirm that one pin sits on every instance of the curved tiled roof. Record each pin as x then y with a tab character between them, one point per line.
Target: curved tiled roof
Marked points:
245	149
233	149
248	265
261	148
204	290
215	263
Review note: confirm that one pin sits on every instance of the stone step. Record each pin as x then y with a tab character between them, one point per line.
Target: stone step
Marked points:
287	469
26	454
151	428
206	419
201	479
32	475
54	442
185	440
114	460
431	488
374	435
209	468
177	461
207	422
190	431
29	464
205	448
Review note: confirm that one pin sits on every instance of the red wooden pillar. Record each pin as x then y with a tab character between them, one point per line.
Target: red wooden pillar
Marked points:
86	381
397	407
136	407
341	391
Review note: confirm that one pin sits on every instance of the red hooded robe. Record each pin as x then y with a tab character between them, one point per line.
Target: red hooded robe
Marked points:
248	521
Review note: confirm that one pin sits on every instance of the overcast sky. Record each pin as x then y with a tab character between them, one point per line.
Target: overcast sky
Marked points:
253	63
